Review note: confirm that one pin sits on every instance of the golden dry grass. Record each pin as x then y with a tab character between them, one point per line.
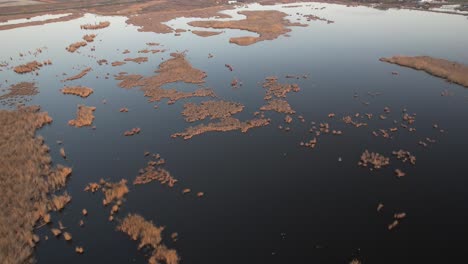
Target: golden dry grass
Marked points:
149	235
449	70
26	179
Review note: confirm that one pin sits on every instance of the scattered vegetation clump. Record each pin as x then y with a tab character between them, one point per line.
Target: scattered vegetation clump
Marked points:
278	105
89	37
223	125
205	34
18	92
137	60
149	235
405	156
278	90
27	181
114	192
373	159
74	46
81	91
28	67
79	75
84	116
213	109
103	24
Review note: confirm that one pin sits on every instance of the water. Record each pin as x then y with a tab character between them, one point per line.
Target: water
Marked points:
267	200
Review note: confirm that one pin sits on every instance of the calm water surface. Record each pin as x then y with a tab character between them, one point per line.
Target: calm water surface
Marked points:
267	200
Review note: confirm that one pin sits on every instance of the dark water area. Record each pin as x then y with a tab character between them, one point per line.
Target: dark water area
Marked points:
267	199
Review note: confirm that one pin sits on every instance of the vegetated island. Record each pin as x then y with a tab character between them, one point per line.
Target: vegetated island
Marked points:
268	24
449	70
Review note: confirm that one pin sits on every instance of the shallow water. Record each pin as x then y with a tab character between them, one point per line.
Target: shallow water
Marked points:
267	200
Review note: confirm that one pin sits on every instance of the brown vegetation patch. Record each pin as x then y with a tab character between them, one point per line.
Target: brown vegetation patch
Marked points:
117	63
28	67
17	92
176	69
73	47
84	116
77	90
149	235
374	159
225	124
89	37
103	24
205	34
268	24
128	81
132	131
153	21
137	60
278	90
27	179
79	75
449	70
213	109
278	105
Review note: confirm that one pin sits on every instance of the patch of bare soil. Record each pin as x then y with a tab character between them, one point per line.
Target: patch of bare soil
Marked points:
27	179
150	236
202	33
449	70
103	24
73	47
81	91
89	37
268	24
79	75
84	116
212	109
225	124
18	92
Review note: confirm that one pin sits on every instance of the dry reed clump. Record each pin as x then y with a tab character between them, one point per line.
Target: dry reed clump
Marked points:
18	92
137	60
59	202
374	159
225	124
117	63
176	69
268	24
81	91
84	116
103	24
213	109
278	90
79	75
449	70
405	156
278	105
152	172
114	192
89	37
28	67
149	235
133	131
27	180
73	47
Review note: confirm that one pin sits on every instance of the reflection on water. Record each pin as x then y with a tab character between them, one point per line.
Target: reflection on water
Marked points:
267	199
